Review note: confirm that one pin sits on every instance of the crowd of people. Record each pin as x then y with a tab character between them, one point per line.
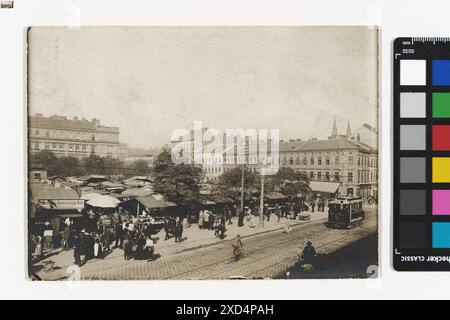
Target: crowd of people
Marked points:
101	232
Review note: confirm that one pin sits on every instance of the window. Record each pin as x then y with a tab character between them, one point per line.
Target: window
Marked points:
77	147
319	161
336	176
350	177
350	160
37	132
297	161
311	175
36	145
336	160
47	134
93	137
61	146
291	161
47	147
311	161
327	176
70	147
327	161
284	161
305	161
359	161
319	175
83	148
54	146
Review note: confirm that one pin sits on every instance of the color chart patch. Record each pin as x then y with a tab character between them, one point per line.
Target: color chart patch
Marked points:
421	154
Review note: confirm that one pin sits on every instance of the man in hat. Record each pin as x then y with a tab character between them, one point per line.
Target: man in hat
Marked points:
309	254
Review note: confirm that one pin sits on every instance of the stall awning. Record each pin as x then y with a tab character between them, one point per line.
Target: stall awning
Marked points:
324	187
41	191
151	202
275	196
137	192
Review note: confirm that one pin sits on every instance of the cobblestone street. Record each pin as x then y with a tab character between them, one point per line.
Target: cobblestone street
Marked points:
266	254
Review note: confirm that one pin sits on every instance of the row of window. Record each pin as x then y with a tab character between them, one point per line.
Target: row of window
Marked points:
57	134
364	176
70	147
362	161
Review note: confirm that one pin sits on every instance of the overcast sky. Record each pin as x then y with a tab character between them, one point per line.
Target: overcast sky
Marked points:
149	81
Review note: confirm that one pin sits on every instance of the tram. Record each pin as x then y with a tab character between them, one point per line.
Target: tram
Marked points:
345	212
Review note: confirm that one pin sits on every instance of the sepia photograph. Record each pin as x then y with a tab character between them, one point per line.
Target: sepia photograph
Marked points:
191	153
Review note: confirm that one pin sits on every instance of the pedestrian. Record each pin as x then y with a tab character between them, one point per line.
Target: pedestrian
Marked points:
200	219
277	212
308	255
98	250
237	247
178	232
79	248
65	239
127	246
252	222
167	229
149	249
139	254
207	219
118	235
88	248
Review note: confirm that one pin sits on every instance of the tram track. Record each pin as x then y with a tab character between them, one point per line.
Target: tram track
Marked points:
252	261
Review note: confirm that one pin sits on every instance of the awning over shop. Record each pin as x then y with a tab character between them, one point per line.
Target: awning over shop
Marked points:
220	199
103	201
137	192
275	196
40	191
324	187
152	202
47	198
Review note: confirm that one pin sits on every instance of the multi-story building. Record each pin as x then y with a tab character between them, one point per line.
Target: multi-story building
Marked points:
72	137
340	158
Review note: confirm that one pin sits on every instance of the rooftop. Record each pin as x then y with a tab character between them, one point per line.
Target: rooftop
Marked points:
64	123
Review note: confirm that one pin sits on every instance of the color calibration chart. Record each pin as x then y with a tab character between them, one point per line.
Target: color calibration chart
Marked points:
421	154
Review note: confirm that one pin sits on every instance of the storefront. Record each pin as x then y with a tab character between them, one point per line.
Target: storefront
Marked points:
49	207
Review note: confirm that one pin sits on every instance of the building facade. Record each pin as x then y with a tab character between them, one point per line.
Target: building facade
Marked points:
340	158
74	137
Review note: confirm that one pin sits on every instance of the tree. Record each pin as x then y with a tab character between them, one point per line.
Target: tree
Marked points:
289	181
179	183
45	158
93	164
229	183
112	166
67	166
141	167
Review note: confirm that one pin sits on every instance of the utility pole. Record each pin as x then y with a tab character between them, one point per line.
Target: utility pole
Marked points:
241	214
261	202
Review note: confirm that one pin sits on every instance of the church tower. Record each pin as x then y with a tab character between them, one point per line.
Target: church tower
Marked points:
334	132
348	134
